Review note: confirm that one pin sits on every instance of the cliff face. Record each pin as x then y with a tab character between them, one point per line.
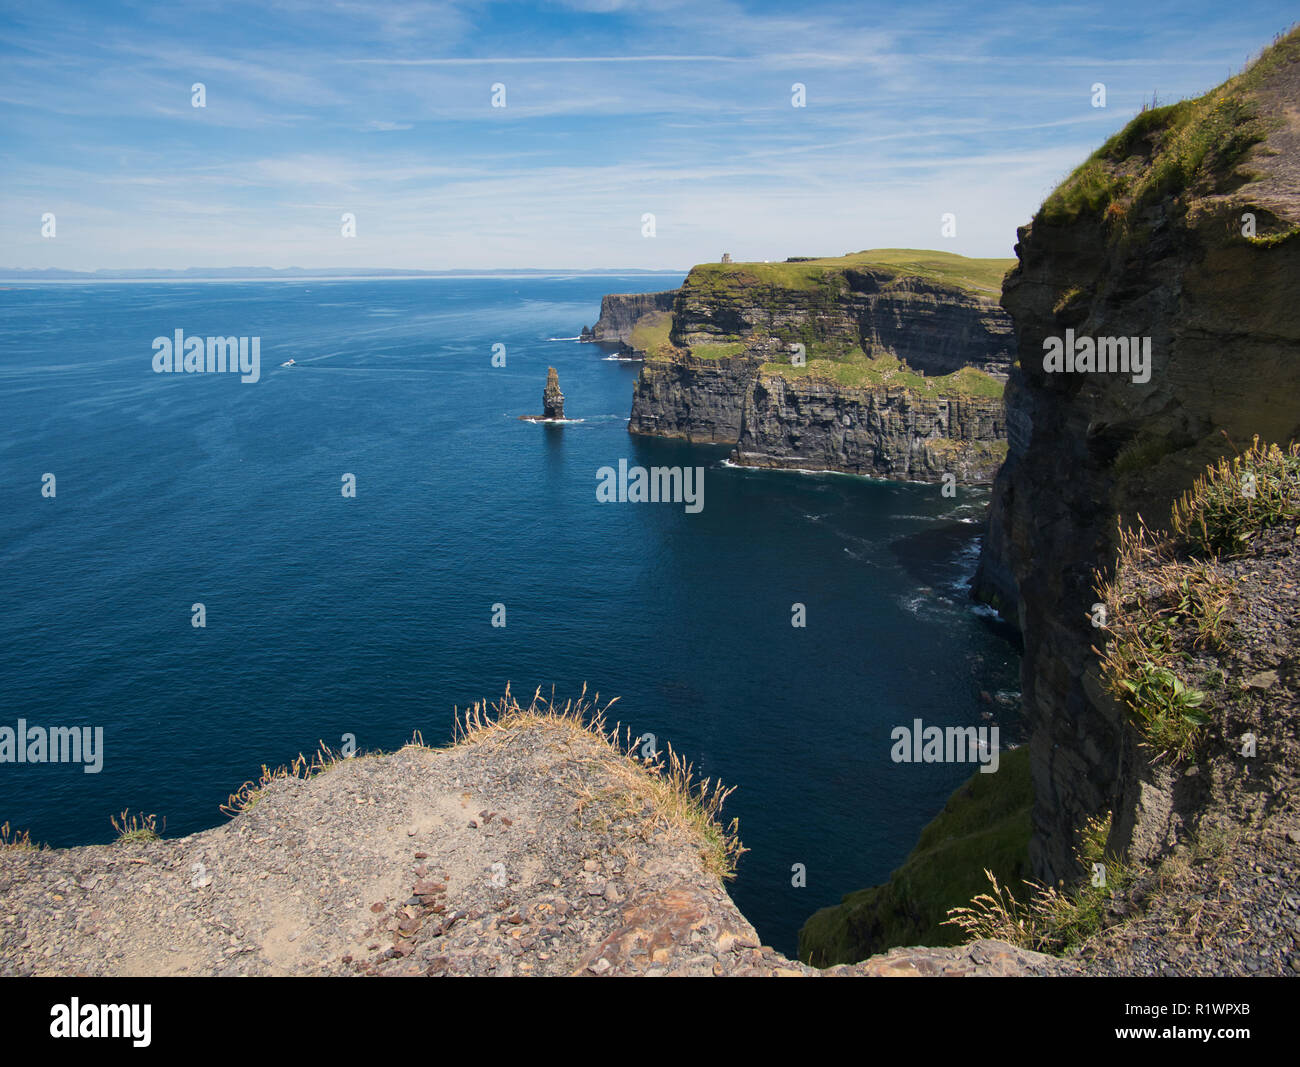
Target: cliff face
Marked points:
935	326
692	398
1145	241
619	312
814	424
880	332
935	329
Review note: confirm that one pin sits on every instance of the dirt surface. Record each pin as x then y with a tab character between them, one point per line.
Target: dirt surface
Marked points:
528	850
1278	164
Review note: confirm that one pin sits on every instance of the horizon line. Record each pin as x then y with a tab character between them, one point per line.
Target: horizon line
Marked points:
124	273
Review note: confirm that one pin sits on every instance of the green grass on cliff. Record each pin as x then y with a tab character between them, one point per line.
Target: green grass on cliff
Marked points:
835	358
718	351
857	371
1189	145
954	449
651	336
985	824
983	276
1166	598
1234	500
650	332
1158	610
1046	918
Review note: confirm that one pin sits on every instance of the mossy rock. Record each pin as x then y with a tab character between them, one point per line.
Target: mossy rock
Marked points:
856	370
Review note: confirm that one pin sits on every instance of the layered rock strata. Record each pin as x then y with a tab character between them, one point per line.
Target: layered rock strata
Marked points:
814	424
620	312
552	398
1199	255
716	375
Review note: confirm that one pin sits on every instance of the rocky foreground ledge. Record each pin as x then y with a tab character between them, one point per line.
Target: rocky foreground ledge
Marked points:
532	847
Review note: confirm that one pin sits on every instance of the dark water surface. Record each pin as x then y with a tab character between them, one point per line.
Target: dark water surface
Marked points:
372	615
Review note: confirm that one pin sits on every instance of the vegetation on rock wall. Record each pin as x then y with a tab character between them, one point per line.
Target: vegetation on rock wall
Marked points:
985	824
1193	145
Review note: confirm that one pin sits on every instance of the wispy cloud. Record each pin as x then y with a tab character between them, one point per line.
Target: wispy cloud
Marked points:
533	61
614	109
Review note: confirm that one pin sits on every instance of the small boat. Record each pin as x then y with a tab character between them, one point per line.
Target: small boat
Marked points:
288	363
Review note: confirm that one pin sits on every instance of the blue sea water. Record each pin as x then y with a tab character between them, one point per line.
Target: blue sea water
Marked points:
372	616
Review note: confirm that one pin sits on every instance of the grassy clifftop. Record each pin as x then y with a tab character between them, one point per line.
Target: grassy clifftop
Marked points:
1193	146
982	276
860	318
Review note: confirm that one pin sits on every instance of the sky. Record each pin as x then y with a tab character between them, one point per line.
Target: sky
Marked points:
613	110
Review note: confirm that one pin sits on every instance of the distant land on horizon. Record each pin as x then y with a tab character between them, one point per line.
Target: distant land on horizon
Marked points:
28	274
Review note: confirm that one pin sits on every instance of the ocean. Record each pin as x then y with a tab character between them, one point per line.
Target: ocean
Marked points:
371	615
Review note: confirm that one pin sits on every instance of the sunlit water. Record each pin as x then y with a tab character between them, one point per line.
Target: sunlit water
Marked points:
372	616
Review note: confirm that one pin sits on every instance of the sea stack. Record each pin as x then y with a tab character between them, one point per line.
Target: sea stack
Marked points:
552	398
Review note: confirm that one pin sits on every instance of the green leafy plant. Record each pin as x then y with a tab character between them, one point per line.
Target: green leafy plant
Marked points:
1237	498
1167	710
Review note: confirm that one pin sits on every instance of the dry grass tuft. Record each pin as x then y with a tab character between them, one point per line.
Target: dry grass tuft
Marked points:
136	829
245	797
1232	501
12	840
663	789
1051	920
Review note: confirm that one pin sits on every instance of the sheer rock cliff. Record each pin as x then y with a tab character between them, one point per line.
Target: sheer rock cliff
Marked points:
842	364
1150	238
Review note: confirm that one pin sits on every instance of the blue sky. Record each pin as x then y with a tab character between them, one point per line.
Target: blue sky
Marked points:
613	109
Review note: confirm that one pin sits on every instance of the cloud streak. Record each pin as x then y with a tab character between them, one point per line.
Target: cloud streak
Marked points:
386	111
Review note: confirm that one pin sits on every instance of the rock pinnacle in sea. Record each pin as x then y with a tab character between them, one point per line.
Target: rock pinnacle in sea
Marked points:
552	398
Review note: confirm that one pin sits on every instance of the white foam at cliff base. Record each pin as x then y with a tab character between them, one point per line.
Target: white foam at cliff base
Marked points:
829	474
